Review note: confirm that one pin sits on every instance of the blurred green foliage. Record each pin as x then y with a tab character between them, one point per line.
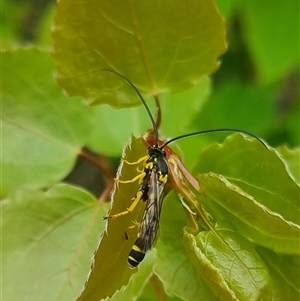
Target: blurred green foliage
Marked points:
256	88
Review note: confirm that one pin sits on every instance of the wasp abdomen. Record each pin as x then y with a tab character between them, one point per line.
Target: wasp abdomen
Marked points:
136	255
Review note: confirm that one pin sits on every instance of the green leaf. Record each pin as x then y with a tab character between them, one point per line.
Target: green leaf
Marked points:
154	290
226	7
154	44
114	126
229	265
271	31
238	105
285	274
292	160
10	15
41	130
48	239
226	265
137	281
292	122
110	270
247	215
173	265
180	109
258	171
44	38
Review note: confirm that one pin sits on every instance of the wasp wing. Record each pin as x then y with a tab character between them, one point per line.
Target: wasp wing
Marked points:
149	226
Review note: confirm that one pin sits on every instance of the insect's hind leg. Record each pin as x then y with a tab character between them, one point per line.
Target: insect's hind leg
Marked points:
136	199
135	225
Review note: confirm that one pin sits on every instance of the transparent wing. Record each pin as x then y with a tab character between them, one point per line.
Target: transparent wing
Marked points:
149	227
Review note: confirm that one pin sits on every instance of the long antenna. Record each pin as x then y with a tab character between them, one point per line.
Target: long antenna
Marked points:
213	131
142	100
184	135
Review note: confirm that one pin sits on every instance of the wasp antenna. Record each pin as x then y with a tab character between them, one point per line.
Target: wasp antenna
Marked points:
142	100
213	131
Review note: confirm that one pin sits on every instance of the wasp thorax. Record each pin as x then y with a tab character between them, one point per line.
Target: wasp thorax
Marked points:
156	151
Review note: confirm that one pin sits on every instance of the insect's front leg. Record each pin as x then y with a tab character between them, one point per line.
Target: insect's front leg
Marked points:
136	200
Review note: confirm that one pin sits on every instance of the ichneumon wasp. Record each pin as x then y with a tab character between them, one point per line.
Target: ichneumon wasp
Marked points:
152	180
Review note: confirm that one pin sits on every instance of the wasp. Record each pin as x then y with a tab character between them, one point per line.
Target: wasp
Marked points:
153	179
152	192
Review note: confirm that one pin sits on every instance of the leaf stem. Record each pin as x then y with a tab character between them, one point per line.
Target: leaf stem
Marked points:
155	282
103	164
158	112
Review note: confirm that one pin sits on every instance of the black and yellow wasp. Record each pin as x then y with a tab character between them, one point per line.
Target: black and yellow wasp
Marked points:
152	180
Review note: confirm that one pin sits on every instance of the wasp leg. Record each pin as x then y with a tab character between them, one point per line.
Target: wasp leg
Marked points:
143	159
138	177
135	224
184	204
128	210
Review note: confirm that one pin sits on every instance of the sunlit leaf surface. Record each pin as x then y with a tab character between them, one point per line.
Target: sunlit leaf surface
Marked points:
229	265
170	51
258	171
261	200
292	160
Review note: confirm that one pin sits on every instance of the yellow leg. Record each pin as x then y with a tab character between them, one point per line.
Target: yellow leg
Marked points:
143	159
128	210
138	177
135	224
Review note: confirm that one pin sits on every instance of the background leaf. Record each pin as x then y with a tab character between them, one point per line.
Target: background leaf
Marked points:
41	131
291	158
273	48
267	209
248	216
285	274
229	265
258	171
257	88
235	105
47	241
114	126
176	107
167	54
